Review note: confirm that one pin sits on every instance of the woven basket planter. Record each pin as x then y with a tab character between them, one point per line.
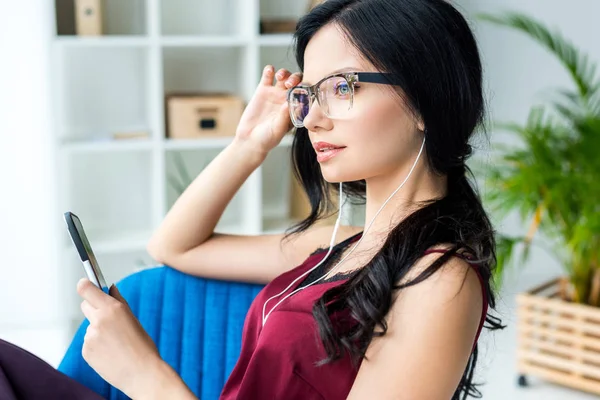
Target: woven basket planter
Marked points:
557	340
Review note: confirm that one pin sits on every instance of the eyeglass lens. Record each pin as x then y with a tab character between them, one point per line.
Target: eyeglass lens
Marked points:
334	96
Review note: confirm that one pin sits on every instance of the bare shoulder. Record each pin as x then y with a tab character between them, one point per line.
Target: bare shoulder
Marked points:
455	283
431	326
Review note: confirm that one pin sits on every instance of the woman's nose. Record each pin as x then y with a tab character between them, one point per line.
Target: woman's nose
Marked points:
316	118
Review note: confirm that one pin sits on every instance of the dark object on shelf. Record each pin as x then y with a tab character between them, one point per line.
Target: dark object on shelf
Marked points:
197	115
522	381
278	26
65	17
88	17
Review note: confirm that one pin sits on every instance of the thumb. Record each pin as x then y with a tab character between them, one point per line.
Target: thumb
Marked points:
114	292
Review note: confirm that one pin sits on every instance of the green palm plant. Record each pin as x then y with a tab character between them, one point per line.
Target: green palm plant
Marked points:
552	176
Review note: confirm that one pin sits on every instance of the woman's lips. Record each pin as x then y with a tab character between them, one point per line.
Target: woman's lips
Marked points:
327	155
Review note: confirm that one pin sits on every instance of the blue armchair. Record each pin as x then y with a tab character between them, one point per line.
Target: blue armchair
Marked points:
196	324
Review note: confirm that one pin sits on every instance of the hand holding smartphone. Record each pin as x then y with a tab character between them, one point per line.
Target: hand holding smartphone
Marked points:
88	259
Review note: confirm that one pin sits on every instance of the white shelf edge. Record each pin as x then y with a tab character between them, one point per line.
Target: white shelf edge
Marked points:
203	41
211	143
102	41
106	146
275	39
201	143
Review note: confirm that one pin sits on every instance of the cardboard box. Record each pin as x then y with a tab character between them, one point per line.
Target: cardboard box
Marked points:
88	17
192	116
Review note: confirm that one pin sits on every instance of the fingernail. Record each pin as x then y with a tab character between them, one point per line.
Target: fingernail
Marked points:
268	68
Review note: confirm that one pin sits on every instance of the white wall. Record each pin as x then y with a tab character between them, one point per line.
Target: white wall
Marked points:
520	73
29	274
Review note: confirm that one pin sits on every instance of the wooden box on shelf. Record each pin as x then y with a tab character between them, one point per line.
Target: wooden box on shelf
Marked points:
192	116
558	340
88	17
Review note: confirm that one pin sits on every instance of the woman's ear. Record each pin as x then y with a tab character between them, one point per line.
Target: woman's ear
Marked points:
420	126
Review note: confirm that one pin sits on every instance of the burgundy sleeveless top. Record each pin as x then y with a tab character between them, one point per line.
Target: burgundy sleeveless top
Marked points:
278	361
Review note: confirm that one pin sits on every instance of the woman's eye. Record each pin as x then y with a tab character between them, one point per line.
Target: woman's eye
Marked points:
342	89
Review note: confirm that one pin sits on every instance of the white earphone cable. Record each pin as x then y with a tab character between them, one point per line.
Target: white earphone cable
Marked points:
331	244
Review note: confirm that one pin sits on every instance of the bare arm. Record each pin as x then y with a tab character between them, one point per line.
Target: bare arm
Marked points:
186	239
192	219
431	329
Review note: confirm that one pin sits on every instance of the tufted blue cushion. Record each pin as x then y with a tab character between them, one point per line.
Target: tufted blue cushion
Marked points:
196	324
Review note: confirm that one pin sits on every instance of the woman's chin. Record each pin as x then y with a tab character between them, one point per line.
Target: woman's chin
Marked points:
331	175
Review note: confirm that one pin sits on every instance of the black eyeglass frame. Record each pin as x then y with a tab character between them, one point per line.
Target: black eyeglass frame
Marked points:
351	78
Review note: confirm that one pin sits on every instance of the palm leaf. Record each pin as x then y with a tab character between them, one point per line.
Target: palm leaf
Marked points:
505	248
577	62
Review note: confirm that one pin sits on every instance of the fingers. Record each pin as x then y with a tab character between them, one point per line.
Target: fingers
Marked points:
281	77
89	311
293	80
267	76
284	78
96	297
114	292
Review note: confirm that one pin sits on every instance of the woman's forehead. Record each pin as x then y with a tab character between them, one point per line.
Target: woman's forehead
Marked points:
329	52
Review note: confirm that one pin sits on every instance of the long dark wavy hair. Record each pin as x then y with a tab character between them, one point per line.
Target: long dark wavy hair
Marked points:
429	48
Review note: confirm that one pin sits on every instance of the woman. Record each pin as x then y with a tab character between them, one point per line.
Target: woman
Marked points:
388	98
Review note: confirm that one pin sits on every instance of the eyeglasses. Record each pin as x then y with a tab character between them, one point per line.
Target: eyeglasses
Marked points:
334	93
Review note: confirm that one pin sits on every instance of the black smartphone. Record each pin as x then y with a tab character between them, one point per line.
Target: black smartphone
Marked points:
88	259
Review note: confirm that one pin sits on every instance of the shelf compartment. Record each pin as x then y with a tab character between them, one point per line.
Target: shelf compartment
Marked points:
278	57
111	193
119	17
200	17
282	11
206	70
182	167
118	79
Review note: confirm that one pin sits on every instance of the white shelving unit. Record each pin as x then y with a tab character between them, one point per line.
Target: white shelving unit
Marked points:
117	82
